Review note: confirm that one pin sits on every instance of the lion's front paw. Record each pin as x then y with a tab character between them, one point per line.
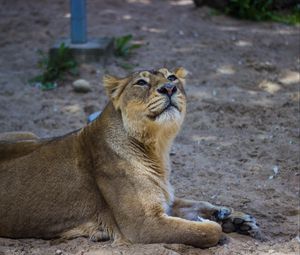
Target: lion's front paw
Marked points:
99	236
222	213
238	222
121	242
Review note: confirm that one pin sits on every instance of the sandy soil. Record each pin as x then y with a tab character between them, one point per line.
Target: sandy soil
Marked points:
242	121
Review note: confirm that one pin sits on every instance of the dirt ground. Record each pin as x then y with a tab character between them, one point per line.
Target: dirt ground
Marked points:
243	109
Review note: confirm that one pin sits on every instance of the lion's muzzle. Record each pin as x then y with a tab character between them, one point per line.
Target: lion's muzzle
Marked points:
168	89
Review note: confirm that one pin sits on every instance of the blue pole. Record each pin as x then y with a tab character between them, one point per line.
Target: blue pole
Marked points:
78	22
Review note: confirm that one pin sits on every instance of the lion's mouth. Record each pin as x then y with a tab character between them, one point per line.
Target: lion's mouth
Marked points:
170	107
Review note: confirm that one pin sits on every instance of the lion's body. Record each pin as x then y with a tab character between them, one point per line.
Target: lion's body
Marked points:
46	185
101	181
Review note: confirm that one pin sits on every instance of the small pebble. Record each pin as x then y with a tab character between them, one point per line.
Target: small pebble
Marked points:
275	170
58	252
81	86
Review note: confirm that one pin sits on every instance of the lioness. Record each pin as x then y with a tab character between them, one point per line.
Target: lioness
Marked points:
110	179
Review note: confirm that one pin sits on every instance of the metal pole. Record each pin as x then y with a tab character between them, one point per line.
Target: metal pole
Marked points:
78	22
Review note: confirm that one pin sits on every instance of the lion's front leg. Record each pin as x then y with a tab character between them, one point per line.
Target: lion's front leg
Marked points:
195	210
230	220
165	229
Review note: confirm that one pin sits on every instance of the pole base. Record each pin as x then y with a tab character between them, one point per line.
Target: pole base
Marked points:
95	50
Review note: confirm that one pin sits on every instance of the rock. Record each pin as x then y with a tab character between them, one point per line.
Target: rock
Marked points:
289	77
275	170
81	86
58	252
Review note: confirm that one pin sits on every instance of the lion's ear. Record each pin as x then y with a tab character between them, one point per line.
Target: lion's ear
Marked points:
114	87
181	73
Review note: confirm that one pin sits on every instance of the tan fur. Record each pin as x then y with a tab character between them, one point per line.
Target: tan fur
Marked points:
107	180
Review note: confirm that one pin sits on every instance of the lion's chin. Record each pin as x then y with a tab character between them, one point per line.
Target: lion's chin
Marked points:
170	114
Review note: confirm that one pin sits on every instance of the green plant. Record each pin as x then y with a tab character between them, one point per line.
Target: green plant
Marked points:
123	46
54	68
291	18
250	9
260	10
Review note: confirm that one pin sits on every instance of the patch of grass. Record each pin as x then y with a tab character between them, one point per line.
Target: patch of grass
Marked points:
123	46
260	10
290	18
54	68
250	9
215	12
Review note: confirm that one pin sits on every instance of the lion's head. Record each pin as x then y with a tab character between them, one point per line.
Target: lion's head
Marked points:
150	102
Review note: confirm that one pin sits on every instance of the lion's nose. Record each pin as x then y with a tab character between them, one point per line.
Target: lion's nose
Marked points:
167	89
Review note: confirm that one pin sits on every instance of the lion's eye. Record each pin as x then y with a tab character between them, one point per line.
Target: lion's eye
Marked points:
141	82
172	77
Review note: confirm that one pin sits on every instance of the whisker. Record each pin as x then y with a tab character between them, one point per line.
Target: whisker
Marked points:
151	103
156	105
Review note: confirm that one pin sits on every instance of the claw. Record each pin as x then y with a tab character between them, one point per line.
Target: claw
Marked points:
99	236
93	238
200	219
